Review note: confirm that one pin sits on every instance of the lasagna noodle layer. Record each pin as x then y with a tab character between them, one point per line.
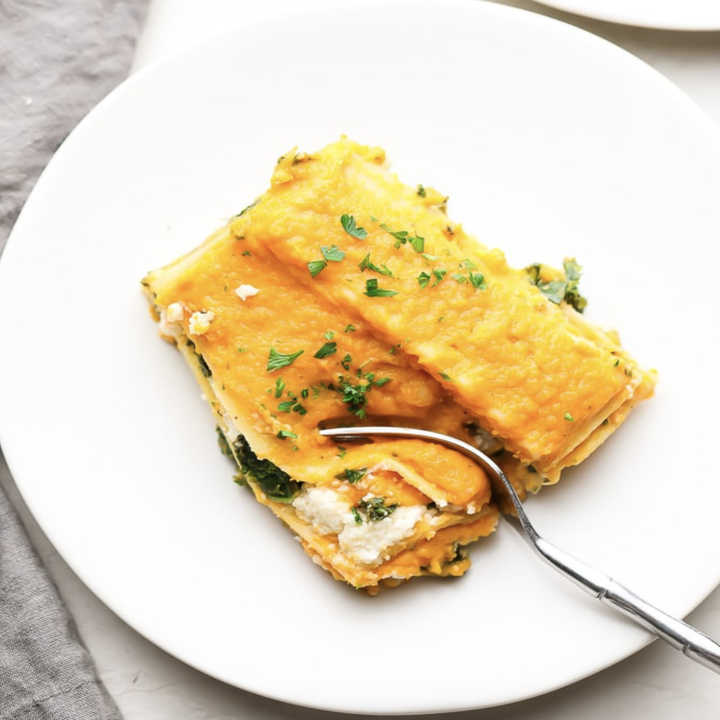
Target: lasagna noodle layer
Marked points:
535	374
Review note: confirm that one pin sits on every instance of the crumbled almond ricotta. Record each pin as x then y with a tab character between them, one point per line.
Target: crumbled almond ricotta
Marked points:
322	508
174	312
200	322
246	291
170	318
367	543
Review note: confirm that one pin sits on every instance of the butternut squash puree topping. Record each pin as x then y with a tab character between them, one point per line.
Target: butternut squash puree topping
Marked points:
342	296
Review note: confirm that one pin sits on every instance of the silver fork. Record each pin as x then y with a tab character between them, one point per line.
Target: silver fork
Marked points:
689	640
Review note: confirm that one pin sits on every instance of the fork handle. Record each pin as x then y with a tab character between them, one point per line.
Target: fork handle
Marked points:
684	637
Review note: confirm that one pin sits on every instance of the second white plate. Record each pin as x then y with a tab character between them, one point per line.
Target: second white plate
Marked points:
693	15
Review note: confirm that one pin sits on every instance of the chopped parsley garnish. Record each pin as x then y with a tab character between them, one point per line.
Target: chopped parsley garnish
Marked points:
316	267
349	328
403	236
568	417
332	253
345	362
558	291
446	377
328	348
367	264
372	510
439	275
277	360
477	280
355	395
292	405
351	228
372	289
279	387
352	475
421	191
286	434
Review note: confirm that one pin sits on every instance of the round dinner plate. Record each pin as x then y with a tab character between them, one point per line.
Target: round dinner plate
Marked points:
695	15
550	143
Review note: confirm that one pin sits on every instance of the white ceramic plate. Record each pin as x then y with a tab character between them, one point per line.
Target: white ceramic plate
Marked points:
660	14
550	142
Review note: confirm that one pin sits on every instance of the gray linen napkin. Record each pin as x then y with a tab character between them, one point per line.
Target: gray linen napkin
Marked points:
57	60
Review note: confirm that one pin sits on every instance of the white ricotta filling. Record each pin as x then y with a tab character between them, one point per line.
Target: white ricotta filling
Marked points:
246	291
174	312
200	322
365	543
322	508
170	318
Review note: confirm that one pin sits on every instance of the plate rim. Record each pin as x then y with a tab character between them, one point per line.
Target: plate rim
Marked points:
151	68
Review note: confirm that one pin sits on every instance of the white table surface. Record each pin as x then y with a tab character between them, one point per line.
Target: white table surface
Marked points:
148	684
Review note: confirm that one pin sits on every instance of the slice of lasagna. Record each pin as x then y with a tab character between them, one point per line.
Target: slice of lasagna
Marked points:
508	344
275	361
342	296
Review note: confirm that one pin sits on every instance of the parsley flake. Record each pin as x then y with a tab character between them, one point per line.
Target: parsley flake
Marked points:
277	360
351	228
279	387
327	349
316	267
372	510
558	291
372	290
439	276
403	236
352	476
332	253
367	264
477	280
354	396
